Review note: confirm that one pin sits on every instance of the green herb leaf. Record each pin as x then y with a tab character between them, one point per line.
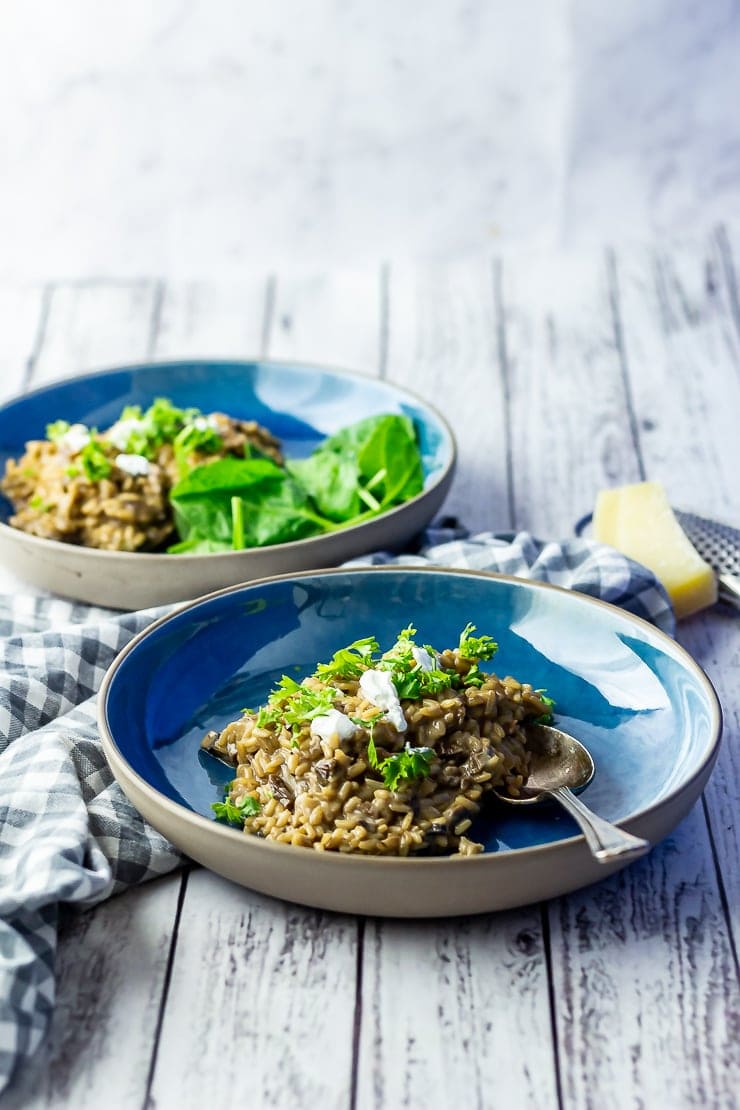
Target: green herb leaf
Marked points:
191	440
410	763
293	704
544	718
94	461
476	647
236	812
349	662
57	429
407	674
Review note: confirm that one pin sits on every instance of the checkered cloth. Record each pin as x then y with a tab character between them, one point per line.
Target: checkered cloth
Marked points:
68	834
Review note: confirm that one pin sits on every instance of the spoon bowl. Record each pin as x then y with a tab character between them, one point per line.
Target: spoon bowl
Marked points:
558	759
560	768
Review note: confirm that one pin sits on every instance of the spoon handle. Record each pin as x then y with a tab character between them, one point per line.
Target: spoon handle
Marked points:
606	841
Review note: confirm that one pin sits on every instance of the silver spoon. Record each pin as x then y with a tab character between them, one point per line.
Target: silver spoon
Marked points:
560	765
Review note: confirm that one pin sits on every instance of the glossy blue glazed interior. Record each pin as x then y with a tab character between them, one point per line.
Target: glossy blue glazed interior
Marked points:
299	404
647	715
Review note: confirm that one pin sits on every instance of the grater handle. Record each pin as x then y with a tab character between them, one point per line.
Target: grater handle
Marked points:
729	589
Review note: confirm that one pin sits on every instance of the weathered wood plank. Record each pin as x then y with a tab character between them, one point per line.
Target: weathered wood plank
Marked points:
23	312
331	318
645	988
570	429
683	355
456	1010
212	319
327	318
261	1002
443	343
110	972
94	326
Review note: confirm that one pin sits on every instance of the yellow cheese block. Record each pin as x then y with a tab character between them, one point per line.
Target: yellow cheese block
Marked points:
639	522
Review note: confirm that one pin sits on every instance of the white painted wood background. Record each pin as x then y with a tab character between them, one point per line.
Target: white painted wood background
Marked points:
560	374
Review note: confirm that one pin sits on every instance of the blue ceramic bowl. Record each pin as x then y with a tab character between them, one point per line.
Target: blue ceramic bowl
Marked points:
637	700
300	404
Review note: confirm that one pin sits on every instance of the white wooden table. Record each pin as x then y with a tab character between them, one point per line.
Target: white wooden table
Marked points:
560	374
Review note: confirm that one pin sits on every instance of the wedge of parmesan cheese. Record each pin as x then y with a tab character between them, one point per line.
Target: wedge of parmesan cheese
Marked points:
639	522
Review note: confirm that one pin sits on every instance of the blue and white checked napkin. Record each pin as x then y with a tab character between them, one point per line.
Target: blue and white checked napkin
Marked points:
68	835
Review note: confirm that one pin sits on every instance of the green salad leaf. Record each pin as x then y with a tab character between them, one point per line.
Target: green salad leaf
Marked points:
273	508
251	502
369	466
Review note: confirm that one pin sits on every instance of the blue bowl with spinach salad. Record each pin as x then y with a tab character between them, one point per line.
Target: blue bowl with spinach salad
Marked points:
157	483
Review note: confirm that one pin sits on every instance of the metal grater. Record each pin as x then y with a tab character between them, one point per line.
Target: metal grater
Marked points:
719	545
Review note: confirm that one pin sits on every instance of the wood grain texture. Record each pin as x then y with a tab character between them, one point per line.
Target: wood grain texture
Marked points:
23	312
645	987
443	343
212	319
92	326
448	1010
330	318
23	315
569	422
261	1002
683	356
111	965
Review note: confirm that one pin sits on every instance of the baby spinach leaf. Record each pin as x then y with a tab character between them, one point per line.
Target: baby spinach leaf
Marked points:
332	480
384	455
253	500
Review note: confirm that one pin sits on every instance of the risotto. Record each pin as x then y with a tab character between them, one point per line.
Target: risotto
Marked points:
386	754
111	489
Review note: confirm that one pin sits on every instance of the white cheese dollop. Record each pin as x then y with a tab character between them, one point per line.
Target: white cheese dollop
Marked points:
378	688
120	433
423	658
331	724
202	423
136	465
74	439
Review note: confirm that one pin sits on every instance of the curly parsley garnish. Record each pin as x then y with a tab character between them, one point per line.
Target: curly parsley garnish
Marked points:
544	718
349	662
410	678
410	763
94	461
291	703
196	437
235	813
186	429
57	429
476	647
